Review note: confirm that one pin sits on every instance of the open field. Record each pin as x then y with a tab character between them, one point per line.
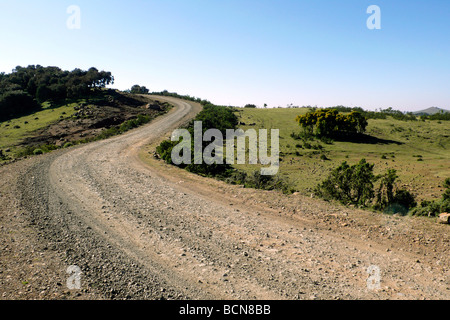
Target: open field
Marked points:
418	150
11	135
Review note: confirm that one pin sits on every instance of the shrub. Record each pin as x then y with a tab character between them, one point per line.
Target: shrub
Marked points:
210	170
326	140
38	151
48	147
446	195
355	185
305	136
165	150
349	184
237	177
402	202
258	181
434	208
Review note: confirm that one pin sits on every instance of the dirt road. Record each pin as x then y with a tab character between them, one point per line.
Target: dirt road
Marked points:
150	231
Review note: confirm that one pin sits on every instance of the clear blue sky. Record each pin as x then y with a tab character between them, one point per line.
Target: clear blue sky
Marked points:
248	51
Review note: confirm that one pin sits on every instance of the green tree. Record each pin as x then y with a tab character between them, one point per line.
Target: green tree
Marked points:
137	89
349	184
330	123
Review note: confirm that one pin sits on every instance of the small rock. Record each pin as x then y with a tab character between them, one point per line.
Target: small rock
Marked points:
444	218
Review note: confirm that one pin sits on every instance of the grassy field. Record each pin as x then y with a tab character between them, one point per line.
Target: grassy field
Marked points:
418	150
12	132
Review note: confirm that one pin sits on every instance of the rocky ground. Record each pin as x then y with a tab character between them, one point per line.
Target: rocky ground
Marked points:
146	230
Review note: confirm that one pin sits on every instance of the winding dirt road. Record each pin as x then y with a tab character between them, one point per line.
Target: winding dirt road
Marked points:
149	231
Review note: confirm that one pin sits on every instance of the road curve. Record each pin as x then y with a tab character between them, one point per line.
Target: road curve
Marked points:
136	235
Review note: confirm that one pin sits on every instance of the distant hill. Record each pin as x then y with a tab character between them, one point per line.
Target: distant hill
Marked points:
430	111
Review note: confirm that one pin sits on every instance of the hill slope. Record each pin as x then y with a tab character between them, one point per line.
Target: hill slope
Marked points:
430	111
82	119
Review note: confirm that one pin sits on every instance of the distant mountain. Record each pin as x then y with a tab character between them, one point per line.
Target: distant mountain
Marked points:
430	111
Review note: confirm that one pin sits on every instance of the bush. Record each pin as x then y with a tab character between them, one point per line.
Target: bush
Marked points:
212	117
237	177
405	199
38	151
446	195
304	135
165	150
402	202
355	185
349	184
258	181
221	118
434	208
326	140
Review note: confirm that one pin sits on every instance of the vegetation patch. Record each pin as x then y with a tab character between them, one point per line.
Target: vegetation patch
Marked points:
24	89
355	185
301	165
221	118
434	208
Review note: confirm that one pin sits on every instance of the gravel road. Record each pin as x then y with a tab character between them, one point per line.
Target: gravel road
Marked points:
139	231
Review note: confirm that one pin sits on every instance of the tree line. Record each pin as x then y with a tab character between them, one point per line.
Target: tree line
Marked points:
24	89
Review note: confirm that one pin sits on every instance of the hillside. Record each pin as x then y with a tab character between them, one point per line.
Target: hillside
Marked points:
74	121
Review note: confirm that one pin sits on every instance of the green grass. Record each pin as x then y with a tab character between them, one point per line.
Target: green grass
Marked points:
306	166
11	135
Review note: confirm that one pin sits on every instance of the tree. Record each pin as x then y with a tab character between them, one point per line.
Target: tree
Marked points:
137	89
13	103
19	88
330	123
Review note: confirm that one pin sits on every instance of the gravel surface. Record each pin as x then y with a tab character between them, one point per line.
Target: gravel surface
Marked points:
151	231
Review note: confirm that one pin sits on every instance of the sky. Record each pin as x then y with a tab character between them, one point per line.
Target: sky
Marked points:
235	52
